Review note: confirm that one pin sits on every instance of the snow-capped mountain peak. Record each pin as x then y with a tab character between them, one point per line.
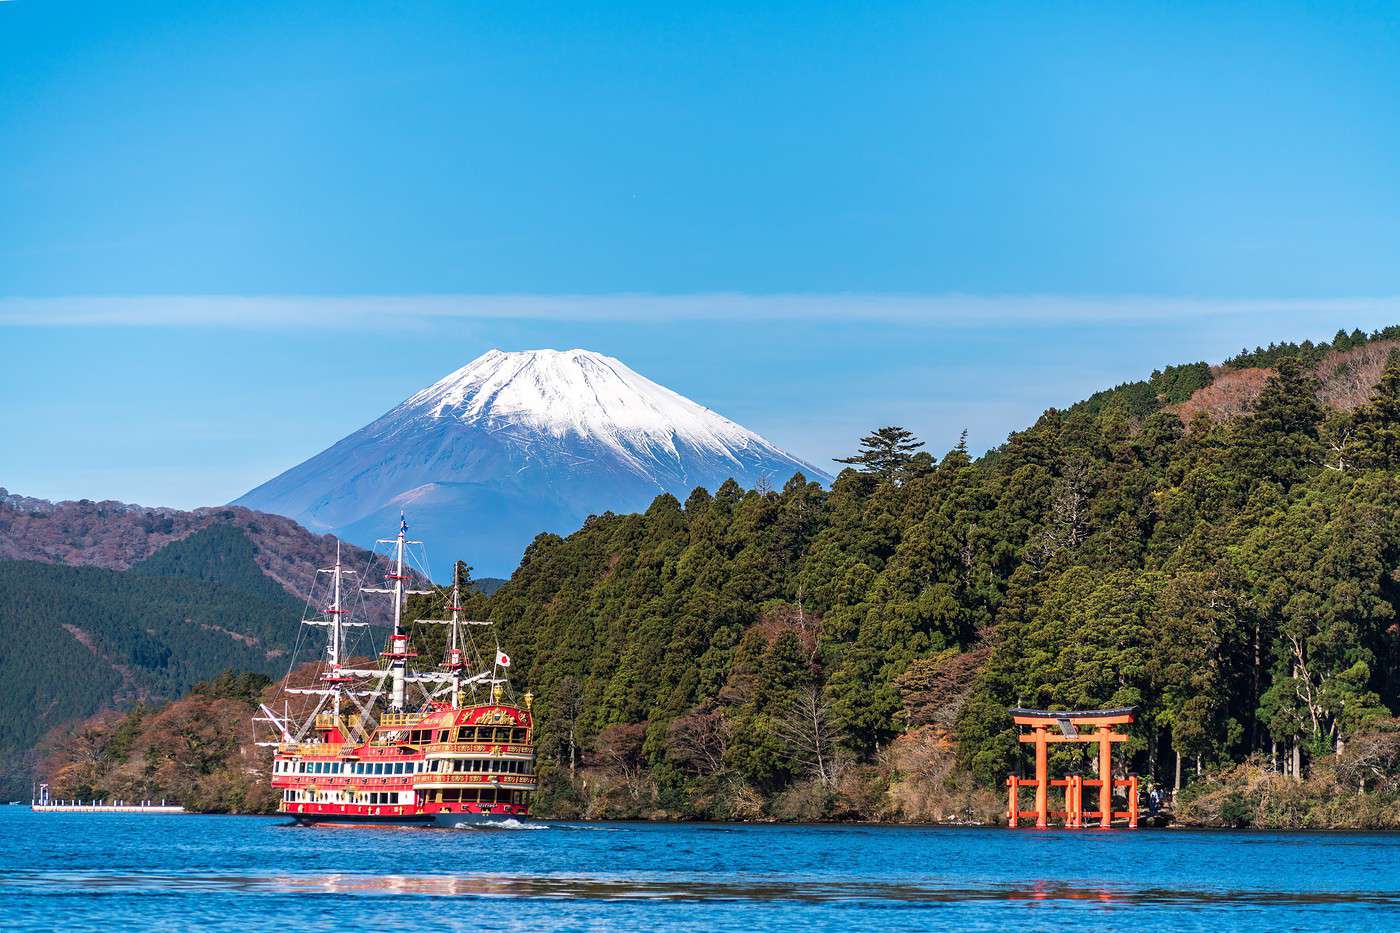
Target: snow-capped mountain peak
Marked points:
513	444
580	393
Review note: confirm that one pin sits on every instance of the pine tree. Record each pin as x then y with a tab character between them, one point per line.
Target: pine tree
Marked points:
885	453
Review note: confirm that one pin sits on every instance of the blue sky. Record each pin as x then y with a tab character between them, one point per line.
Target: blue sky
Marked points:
232	233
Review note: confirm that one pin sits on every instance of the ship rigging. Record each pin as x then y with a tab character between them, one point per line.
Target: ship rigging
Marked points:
362	752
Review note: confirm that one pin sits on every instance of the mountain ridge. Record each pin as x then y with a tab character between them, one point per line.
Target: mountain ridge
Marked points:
117	535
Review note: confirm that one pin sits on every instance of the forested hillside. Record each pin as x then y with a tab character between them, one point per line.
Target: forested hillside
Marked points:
198	750
81	639
853	651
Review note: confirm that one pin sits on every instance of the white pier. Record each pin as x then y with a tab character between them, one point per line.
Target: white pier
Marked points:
43	803
100	806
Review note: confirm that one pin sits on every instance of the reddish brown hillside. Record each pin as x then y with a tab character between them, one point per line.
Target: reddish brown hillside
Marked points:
1232	393
116	535
1346	379
1349	376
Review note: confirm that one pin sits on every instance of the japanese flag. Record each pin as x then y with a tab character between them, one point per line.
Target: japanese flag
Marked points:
502	658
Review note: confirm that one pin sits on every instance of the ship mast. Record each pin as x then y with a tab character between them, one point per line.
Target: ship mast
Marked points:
397	651
335	649
454	663
335	678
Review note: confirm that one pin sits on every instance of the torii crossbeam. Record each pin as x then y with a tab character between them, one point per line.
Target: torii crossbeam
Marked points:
1067	726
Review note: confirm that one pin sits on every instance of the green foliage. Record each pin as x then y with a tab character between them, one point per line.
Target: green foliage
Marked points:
1223	580
1175	384
1168	386
1307	351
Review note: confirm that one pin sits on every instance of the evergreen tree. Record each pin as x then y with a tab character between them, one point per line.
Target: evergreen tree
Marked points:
886	453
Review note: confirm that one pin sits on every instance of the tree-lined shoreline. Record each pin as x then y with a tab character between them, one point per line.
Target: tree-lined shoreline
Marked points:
850	653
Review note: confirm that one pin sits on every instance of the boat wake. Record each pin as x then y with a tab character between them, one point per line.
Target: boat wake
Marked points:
500	824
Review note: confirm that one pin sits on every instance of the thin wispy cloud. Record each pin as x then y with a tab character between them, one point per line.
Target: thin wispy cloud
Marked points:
352	312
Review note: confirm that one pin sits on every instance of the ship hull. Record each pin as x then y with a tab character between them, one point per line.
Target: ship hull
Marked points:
342	819
437	820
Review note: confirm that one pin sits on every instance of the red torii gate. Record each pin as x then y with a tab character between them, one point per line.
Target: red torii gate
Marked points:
1068	723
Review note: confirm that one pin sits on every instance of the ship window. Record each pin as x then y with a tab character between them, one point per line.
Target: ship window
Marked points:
517	735
442	736
379	767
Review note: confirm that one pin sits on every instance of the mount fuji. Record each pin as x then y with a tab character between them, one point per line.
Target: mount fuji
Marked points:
513	444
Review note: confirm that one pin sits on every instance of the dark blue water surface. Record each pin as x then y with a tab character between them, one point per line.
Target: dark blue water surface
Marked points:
121	871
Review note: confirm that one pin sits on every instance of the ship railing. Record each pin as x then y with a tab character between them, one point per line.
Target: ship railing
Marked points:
398	720
477	748
316	749
429	778
332	721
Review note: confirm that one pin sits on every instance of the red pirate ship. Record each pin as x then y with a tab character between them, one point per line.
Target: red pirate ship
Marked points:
370	752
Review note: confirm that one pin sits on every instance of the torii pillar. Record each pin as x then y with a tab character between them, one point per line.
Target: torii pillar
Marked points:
1105	777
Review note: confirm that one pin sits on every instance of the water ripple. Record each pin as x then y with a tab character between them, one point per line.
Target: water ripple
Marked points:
690	889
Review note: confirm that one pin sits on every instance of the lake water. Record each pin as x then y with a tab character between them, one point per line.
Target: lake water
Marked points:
122	871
